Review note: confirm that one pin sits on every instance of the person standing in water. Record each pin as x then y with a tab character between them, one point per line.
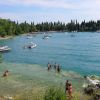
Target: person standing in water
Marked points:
70	91
49	66
58	68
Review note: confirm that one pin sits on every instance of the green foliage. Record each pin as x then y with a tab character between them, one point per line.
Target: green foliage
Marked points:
2	33
54	94
8	27
33	27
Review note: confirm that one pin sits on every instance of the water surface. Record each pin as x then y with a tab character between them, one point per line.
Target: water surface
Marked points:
79	52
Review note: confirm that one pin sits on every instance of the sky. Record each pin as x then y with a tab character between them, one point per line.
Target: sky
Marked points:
50	10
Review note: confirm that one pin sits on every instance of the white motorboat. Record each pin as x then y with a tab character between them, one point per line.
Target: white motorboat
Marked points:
47	36
30	45
4	48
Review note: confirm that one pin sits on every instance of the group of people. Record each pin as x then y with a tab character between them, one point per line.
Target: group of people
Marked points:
55	66
68	89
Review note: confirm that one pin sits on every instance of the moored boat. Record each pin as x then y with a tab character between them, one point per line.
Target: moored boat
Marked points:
4	48
46	36
30	45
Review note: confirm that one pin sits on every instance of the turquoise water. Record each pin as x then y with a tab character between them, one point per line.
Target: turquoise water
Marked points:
79	52
24	77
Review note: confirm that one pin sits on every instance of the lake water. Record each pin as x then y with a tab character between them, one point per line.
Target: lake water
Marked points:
79	52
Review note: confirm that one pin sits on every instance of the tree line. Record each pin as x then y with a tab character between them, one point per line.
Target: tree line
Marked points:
8	27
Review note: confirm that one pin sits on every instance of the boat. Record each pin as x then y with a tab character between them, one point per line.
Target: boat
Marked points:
30	45
29	37
92	81
4	48
46	36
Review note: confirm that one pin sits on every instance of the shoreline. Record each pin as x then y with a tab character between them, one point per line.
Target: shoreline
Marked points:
27	78
39	32
6	37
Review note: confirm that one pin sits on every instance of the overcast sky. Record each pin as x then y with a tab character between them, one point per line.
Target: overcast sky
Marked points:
50	10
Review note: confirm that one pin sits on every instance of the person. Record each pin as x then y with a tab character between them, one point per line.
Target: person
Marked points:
70	91
49	66
6	73
58	68
66	86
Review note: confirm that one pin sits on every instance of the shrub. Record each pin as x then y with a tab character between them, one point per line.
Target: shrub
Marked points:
54	94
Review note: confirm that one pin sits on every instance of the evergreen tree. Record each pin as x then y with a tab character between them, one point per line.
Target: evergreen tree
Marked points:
8	27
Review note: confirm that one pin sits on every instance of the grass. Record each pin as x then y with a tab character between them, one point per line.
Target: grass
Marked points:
54	94
51	93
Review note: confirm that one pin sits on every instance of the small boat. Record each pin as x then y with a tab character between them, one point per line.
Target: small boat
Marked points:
30	45
47	36
92	81
4	48
29	37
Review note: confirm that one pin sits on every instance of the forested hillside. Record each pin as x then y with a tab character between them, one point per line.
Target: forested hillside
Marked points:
8	27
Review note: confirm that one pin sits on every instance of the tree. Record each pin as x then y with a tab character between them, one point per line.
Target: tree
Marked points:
2	32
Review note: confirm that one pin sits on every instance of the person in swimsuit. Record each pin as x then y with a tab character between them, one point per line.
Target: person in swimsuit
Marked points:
49	66
70	91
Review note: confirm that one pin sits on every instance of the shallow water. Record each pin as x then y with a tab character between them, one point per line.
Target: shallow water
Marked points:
79	52
23	77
